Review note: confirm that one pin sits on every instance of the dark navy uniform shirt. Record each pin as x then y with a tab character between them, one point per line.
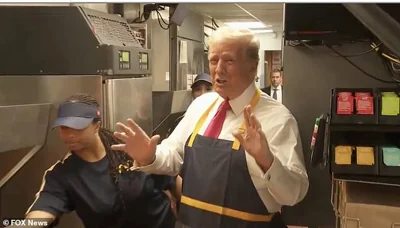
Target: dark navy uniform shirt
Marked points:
87	188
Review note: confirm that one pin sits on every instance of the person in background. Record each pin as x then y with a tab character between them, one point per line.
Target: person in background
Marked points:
275	90
238	150
201	84
95	181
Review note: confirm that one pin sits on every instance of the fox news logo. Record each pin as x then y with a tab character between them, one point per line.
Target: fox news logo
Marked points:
25	222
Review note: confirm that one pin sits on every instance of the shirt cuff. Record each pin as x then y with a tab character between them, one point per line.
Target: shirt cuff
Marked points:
172	183
146	168
274	172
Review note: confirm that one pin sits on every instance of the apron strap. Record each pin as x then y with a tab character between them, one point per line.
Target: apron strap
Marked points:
236	144
226	211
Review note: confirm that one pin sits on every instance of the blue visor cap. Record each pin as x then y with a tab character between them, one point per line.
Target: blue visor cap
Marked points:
202	77
76	115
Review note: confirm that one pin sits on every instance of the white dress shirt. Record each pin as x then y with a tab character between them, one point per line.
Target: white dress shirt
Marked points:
286	181
278	93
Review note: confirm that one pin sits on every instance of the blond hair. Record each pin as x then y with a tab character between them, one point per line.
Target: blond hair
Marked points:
242	36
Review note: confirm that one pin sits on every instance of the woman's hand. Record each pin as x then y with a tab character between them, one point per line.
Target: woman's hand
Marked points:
173	203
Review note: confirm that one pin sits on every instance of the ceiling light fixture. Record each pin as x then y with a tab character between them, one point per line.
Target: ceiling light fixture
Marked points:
246	25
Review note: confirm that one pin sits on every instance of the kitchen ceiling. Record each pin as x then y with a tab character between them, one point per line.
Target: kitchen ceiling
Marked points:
271	14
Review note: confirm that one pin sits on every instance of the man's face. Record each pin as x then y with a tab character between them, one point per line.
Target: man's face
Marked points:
231	69
276	79
200	88
78	140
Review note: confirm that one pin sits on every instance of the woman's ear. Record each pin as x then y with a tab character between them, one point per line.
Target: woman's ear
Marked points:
98	126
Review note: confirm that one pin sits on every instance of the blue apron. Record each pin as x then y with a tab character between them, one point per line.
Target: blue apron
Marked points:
217	190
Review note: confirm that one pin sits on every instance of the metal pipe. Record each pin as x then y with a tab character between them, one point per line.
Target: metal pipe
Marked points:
210	27
380	23
173	53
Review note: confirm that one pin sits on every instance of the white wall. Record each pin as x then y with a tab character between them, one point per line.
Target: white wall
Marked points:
268	42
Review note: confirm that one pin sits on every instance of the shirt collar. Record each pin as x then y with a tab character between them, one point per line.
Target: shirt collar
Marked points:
278	88
241	101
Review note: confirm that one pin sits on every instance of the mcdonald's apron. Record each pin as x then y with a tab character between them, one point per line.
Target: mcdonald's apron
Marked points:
217	189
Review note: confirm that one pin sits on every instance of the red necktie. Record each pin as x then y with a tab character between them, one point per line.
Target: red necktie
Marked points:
215	126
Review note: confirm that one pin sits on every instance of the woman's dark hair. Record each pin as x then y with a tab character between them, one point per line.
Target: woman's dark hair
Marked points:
116	158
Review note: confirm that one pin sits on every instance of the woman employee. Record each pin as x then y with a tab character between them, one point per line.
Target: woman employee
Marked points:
94	180
202	84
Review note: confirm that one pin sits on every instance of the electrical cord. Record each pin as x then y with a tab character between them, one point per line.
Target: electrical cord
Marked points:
160	18
387	66
389	60
214	23
392	64
391	57
360	69
373	48
145	16
362	53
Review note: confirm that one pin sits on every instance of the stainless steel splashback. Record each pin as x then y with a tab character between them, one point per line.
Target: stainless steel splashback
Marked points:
167	106
23	125
128	98
28	107
22	130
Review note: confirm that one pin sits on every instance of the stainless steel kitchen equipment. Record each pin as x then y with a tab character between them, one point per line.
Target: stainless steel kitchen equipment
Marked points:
169	105
47	54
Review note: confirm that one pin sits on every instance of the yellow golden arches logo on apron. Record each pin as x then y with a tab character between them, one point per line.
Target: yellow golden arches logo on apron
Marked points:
236	144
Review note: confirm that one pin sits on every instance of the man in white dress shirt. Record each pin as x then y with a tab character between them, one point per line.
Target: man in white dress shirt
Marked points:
238	150
275	90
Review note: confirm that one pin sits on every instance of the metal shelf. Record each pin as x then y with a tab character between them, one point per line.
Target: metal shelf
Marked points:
381	180
364	127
